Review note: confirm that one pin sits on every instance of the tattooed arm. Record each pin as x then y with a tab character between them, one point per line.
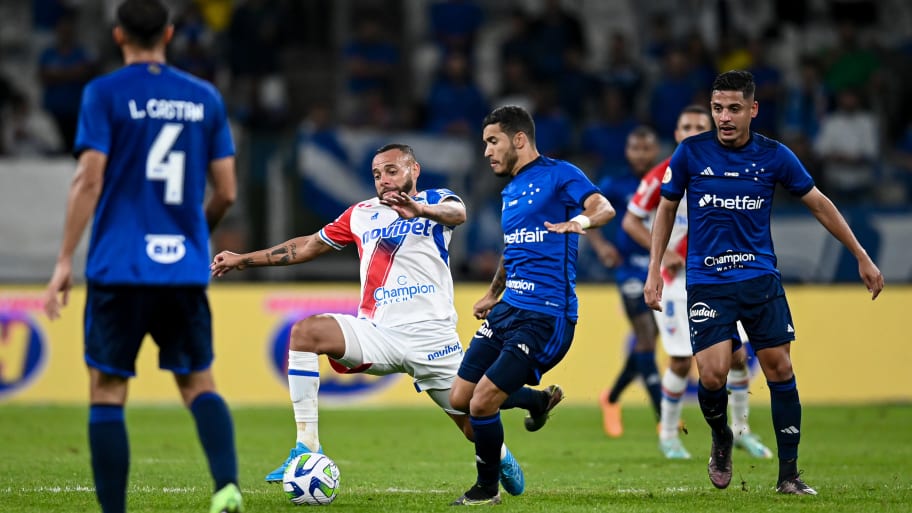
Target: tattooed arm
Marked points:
294	251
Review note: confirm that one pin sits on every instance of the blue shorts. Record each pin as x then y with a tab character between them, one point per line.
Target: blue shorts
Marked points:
514	347
118	317
632	296
759	303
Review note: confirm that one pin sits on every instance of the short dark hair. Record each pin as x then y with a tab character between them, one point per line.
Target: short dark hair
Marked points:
695	109
404	148
144	21
736	80
512	119
643	132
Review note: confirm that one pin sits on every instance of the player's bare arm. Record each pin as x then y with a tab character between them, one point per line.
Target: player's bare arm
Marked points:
224	190
827	214
597	211
607	253
294	251
661	232
635	227
85	189
483	306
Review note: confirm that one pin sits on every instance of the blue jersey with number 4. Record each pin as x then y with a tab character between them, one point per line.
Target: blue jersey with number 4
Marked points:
729	203
160	128
540	265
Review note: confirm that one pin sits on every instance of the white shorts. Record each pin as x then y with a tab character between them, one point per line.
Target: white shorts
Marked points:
673	320
430	352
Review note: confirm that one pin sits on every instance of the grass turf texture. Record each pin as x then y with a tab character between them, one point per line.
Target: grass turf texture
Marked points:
858	458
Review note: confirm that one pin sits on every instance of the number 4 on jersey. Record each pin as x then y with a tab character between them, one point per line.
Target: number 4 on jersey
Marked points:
167	165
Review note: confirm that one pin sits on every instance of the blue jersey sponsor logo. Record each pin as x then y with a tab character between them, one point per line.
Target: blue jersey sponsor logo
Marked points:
744	202
23	351
524	235
165	249
729	260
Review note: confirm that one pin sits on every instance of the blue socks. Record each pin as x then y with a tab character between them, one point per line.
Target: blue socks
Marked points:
786	409
714	405
526	398
489	437
110	450
646	367
216	434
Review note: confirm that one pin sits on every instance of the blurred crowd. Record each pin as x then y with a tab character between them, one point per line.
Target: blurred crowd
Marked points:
832	77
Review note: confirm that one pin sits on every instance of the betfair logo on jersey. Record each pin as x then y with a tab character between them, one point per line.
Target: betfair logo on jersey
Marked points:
523	236
701	312
415	226
737	203
165	249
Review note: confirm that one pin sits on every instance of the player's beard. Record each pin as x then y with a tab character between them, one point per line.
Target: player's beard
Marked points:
406	187
508	163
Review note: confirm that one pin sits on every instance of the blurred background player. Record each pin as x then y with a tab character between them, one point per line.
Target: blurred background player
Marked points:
523	334
406	320
629	261
148	138
672	320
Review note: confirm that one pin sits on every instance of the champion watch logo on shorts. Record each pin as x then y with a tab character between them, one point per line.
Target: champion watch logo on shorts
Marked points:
701	312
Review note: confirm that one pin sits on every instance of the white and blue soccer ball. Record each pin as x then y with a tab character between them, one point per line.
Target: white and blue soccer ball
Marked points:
311	479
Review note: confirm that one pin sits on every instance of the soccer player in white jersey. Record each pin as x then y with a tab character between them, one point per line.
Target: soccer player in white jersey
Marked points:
672	321
406	320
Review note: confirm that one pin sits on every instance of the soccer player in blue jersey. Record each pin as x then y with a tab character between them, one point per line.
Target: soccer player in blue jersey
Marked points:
629	261
149	136
729	176
547	204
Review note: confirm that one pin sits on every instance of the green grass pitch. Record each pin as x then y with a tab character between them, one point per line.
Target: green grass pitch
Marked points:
859	458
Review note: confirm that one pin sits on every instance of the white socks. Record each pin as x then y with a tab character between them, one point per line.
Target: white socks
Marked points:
303	386
673	388
738	387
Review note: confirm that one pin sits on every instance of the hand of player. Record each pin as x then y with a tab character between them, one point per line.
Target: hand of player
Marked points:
565	227
652	290
483	307
872	277
57	293
225	262
673	262
402	203
608	255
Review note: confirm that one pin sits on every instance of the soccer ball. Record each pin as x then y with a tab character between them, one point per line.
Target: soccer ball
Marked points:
312	479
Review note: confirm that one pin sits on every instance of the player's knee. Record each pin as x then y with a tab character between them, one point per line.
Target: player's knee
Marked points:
713	380
304	336
459	401
680	366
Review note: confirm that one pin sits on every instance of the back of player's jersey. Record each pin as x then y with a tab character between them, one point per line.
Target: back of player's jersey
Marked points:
160	128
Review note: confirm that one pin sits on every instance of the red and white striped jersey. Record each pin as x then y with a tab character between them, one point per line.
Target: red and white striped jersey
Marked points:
646	200
405	264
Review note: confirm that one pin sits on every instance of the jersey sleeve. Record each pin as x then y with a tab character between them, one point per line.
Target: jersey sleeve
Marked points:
795	178
437	196
576	186
675	177
93	131
646	198
338	233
